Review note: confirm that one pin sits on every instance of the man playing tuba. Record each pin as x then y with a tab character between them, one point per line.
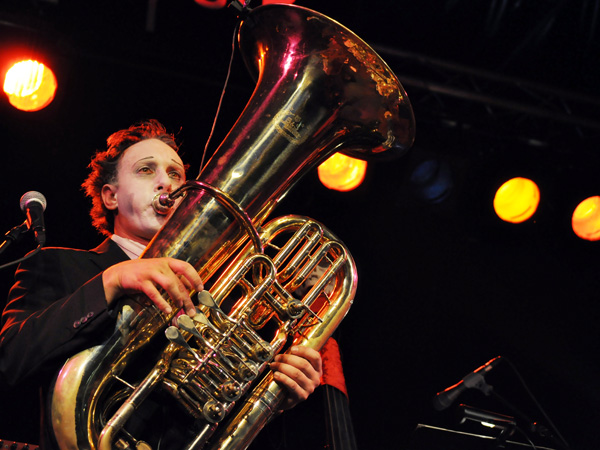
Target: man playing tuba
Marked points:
63	300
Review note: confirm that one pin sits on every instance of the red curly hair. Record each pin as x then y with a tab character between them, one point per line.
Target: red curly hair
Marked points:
103	167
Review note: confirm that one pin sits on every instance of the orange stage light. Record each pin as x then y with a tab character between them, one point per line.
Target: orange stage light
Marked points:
586	219
30	85
342	173
517	200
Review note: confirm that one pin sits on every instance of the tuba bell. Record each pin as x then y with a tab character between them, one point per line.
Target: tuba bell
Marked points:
320	89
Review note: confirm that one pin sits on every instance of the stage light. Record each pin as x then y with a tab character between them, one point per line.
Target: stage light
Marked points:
30	85
586	219
432	180
342	173
218	4
517	200
212	4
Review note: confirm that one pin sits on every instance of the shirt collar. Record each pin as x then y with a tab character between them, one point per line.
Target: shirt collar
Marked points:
133	249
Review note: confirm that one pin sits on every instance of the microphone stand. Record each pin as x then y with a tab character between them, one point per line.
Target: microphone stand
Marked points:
506	424
13	235
534	427
478	382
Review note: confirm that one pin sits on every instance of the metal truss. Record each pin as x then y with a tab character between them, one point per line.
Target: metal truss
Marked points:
492	104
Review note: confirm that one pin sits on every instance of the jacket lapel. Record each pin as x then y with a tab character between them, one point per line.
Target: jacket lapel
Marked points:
107	254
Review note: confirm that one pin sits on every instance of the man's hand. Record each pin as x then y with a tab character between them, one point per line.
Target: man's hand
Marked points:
299	372
147	275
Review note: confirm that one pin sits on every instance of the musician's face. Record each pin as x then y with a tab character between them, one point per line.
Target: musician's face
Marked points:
145	168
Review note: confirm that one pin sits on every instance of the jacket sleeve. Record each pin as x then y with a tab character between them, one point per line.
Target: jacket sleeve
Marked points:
55	309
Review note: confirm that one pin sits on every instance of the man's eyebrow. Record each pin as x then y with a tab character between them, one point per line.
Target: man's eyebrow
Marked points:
178	163
144	158
152	157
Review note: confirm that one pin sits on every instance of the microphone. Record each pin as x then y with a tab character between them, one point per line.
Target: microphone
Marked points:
473	380
33	204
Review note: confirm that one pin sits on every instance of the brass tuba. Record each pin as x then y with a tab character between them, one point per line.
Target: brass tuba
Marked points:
320	89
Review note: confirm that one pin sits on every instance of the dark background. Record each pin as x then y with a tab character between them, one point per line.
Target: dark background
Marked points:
499	88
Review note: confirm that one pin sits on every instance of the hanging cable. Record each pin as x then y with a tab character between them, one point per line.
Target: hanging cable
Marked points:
225	84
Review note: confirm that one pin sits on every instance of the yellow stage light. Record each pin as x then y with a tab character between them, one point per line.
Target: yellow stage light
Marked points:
586	219
342	173
517	200
30	85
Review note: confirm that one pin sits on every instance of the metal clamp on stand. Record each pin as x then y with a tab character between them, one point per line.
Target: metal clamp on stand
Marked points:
506	424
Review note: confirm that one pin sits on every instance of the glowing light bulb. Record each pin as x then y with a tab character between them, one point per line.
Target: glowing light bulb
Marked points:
30	85
586	219
342	173
517	200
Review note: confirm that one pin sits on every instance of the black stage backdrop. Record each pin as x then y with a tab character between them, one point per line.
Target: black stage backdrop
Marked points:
443	288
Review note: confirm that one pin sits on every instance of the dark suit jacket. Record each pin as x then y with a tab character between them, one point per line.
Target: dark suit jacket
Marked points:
55	309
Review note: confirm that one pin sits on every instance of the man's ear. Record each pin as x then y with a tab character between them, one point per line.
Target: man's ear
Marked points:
109	196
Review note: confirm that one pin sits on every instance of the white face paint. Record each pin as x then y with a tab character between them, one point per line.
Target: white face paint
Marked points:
146	168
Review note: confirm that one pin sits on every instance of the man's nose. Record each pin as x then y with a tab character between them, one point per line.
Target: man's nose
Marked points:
163	181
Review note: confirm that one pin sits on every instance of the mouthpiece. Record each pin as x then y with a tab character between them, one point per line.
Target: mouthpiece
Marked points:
162	203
